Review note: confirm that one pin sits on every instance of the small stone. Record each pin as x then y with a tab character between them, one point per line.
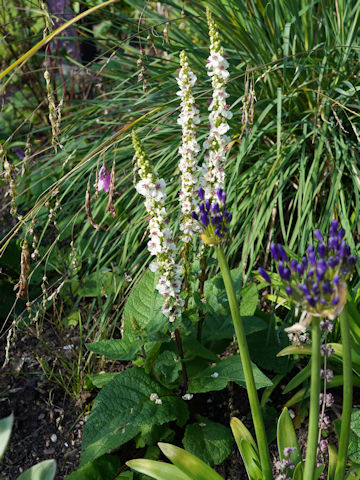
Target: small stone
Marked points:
53	438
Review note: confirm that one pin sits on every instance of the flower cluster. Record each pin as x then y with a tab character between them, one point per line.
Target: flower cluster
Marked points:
161	243
188	119
103	182
213	217
213	173
285	464
317	283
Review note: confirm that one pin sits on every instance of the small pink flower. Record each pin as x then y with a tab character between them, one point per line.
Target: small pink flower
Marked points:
104	180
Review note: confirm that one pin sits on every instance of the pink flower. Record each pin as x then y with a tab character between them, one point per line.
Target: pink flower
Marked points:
104	180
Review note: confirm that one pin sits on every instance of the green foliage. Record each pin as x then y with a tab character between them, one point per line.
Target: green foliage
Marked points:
42	471
5	432
228	370
122	407
286	437
209	441
105	467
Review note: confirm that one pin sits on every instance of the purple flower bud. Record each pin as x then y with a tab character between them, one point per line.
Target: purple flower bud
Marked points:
288	451
342	250
335	301
322	250
207	204
288	290
304	261
284	272
264	274
204	219
311	249
217	231
321	268
319	236
322	301
282	252
333	261
336	280
341	234
229	217
310	300
310	274
201	193
215	207
333	243
293	264
194	215
323	446
300	269
274	252
312	258
352	260
304	288
221	195
333	227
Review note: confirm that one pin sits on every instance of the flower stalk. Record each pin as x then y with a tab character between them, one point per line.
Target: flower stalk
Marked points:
347	396
247	367
313	429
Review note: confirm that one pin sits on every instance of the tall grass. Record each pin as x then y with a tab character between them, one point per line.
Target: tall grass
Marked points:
289	170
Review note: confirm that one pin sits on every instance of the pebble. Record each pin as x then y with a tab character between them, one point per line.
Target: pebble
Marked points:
53	438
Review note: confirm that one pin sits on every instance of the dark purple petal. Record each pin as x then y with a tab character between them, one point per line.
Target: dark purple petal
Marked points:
321	268
215	207
264	274
335	301
310	300
311	249
288	290
207	204
274	252
194	215
333	227
282	252
322	301
202	207
304	261
204	219
293	264
229	217
300	269
319	236
336	280
352	260
333	243
322	250
312	258
201	193
341	234
304	288
217	231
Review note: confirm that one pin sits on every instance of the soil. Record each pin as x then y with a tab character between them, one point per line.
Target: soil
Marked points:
49	422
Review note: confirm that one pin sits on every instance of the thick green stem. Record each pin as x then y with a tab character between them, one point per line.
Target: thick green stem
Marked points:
312	441
247	367
347	396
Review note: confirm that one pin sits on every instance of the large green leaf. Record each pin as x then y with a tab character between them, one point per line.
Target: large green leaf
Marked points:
5	432
144	306
42	471
228	370
117	349
122	407
208	440
286	437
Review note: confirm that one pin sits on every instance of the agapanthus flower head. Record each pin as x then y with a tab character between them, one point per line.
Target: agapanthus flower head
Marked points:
103	182
213	217
317	283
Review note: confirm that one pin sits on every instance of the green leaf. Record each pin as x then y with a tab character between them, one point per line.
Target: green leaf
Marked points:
122	349
99	380
298	472
105	467
299	378
354	472
168	367
158	470
249	300
240	432
144	304
286	437
42	471
6	425
189	463
294	350
193	349
354	443
209	441
228	370
250	459
122	407
332	462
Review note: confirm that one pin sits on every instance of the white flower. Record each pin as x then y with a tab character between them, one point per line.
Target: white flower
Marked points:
161	243
213	172
215	375
188	119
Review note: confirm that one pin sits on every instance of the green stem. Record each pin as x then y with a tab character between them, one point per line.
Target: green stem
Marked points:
247	367
347	396
312	442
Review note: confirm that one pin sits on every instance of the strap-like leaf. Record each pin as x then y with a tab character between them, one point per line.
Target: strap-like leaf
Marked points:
5	432
158	470
332	462
189	463
42	471
286	437
240	433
